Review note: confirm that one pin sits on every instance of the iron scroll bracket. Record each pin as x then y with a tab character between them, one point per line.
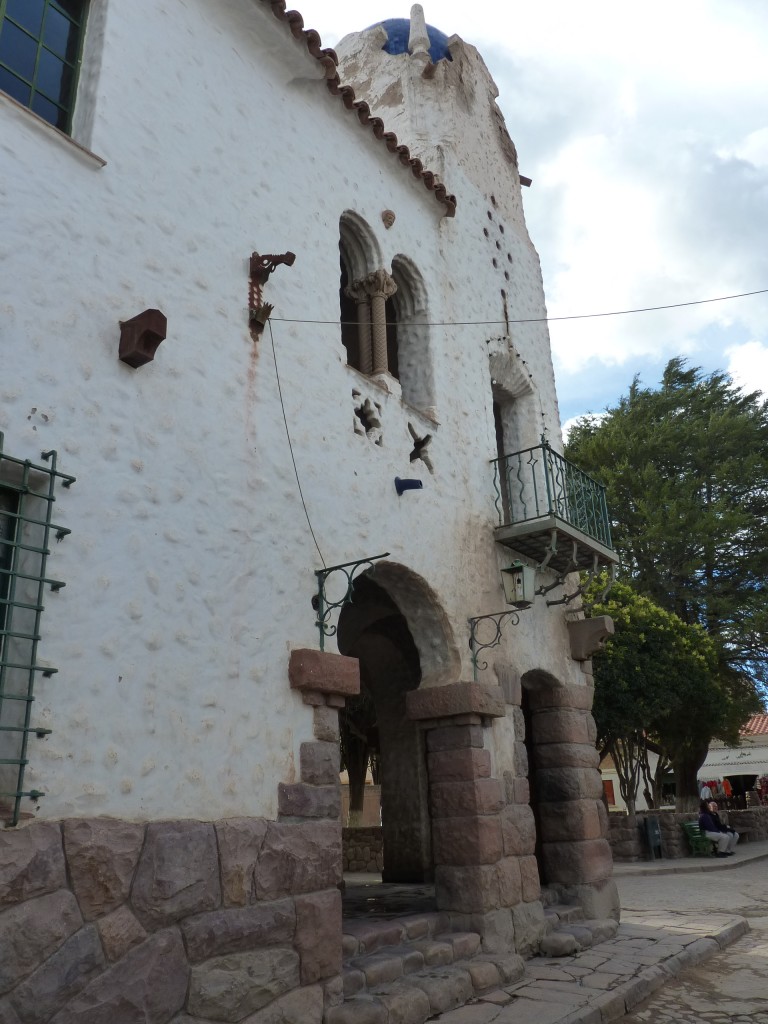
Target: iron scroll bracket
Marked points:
498	619
325	607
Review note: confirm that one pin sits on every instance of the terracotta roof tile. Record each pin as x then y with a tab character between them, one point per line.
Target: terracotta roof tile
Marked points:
756	726
329	61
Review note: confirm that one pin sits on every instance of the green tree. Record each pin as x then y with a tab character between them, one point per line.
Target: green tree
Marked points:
686	472
659	683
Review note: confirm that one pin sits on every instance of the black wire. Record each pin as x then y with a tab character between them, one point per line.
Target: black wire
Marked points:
290	446
539	319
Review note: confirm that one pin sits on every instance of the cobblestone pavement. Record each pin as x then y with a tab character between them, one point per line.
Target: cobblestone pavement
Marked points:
674	960
732	987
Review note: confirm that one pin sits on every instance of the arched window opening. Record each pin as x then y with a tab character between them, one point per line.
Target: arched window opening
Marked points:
348	316
410	335
393	363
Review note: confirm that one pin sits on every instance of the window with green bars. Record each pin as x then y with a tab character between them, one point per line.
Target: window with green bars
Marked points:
27	496
40	46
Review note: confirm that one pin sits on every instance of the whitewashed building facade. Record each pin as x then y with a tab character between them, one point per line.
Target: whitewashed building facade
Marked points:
168	704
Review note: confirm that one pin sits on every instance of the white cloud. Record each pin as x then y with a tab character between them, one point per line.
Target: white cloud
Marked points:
568	426
748	366
645	131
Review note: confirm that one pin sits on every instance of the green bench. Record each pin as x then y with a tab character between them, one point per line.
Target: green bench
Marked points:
700	845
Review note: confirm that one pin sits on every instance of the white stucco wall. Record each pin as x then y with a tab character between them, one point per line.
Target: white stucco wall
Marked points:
190	568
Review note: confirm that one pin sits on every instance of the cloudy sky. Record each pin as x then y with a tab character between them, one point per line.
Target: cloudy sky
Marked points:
645	130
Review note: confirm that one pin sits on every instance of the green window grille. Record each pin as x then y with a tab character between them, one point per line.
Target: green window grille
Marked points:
26	526
40	47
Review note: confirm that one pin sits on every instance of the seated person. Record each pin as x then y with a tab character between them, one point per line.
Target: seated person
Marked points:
714	831
723	828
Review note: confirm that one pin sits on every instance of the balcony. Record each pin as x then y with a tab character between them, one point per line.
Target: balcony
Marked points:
551	512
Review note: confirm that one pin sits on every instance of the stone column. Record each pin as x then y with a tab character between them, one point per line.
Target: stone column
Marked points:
380	287
477	870
576	854
358	293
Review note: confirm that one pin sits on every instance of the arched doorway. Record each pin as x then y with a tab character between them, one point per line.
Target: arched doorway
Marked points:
373	630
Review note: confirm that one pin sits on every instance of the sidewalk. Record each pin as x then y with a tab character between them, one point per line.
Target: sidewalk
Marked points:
610	979
745	854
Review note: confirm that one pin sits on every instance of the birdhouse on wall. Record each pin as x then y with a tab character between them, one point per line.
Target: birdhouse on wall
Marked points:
141	336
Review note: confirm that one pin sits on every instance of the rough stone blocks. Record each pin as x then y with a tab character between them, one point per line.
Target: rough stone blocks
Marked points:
31	862
461	799
571	820
577	697
509	882
102	854
240	843
60	978
518	830
459	765
455	699
231	987
120	931
319	763
555	785
571	863
31	931
567	755
297	800
178	873
454	737
148	984
298	858
475	840
560	725
529	877
318	935
239	929
324	672
467	890
326	724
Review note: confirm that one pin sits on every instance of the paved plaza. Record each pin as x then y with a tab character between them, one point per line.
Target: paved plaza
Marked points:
692	947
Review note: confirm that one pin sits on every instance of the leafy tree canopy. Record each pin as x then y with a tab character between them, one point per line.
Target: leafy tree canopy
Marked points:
659	680
686	471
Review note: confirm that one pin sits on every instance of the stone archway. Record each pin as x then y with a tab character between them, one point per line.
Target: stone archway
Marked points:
396	628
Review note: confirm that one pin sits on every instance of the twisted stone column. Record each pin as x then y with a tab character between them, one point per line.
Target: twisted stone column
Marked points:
358	292
380	287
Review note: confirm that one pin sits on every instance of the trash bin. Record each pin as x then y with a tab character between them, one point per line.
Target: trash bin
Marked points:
652	836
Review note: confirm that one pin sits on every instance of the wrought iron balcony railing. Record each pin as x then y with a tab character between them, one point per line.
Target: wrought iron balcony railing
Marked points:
538	491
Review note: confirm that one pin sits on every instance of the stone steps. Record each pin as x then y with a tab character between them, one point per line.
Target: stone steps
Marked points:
572	937
405	970
420	994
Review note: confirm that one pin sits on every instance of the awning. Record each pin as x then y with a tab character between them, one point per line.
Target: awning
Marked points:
745	760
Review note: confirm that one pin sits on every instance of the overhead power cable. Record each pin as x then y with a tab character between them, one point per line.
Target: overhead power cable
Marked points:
290	445
539	319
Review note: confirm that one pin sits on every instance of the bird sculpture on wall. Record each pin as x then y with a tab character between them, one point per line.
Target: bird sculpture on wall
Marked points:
420	445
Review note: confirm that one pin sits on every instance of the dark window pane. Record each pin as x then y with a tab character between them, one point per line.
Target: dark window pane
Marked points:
27	13
54	78
15	87
17	50
60	34
74	8
49	111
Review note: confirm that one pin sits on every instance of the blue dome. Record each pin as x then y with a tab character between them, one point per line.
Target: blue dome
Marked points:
398	30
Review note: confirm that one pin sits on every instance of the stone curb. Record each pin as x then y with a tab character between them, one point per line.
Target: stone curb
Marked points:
684	866
612	1005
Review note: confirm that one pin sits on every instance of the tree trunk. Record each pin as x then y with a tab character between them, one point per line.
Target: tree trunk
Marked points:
357	766
687	764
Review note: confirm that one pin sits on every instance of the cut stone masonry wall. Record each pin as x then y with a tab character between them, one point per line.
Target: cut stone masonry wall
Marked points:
628	843
109	920
363	848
